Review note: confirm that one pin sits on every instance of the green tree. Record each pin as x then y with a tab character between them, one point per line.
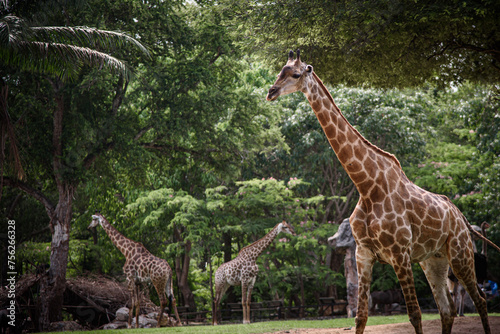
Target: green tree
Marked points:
384	43
58	54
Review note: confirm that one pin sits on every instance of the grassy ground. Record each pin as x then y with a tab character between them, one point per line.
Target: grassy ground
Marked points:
269	326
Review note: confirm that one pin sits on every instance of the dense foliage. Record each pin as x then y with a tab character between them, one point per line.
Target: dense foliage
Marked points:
383	43
183	153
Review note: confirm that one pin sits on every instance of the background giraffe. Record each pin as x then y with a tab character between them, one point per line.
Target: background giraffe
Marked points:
395	221
243	270
140	265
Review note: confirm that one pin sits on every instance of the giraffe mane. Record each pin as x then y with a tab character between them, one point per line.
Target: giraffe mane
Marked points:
375	147
253	243
137	243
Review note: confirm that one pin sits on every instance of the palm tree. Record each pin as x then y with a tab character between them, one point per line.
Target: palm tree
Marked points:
58	53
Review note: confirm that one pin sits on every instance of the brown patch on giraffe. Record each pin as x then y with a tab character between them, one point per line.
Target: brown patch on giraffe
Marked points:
341	137
386	239
403	235
388	205
381	181
399	206
323	118
433	211
430	244
358	177
345	153
354	167
395	249
390	217
377	195
389	226
342	126
334	143
435	224
365	186
326	103
316	105
360	152
330	132
419	205
403	192
377	210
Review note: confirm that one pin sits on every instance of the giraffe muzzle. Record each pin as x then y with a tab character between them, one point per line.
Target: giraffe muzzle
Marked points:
273	93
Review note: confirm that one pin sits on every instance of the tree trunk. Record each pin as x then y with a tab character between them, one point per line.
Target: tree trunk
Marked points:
53	284
351	275
182	271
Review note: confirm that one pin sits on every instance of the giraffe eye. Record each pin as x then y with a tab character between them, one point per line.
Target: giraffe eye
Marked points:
296	75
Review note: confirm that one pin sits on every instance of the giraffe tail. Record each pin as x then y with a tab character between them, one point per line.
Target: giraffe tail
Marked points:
479	235
169	288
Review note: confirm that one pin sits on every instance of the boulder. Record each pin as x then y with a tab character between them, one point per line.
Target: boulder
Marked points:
122	314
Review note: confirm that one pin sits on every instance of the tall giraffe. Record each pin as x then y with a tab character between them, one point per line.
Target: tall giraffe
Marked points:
140	266
394	221
243	270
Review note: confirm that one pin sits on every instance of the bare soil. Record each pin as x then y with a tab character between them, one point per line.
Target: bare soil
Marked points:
462	325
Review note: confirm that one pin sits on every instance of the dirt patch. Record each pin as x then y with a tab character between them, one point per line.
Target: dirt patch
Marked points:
462	325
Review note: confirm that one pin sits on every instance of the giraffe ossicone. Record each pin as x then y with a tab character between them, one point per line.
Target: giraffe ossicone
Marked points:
243	270
140	265
394	221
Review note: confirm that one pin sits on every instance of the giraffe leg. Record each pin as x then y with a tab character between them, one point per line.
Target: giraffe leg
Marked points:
130	285
402	267
249	298
160	290
463	268
163	303
364	263
244	305
220	290
137	306
461	298
173	302
436	271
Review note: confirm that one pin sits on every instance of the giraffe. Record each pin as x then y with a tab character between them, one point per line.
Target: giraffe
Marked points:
140	266
394	221
243	270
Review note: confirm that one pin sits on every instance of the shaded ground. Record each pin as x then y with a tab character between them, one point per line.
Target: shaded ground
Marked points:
462	325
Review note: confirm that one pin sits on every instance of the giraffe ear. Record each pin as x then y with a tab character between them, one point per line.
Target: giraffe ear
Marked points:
309	69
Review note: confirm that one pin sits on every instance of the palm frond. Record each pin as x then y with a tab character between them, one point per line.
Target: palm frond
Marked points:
61	51
87	37
61	60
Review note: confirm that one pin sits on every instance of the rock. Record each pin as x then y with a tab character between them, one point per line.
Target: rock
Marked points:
115	325
64	326
122	314
144	322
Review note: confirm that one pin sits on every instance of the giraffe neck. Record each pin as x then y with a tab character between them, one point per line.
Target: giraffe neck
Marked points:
253	251
124	244
365	163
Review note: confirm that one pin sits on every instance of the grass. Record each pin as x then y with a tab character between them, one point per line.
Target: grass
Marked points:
269	326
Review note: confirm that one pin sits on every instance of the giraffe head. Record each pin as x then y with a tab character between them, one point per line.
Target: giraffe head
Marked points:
97	218
294	76
285	228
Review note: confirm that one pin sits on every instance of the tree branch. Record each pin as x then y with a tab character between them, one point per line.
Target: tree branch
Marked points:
49	206
121	88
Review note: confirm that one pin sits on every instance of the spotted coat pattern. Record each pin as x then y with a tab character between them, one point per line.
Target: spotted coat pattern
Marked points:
395	221
140	266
